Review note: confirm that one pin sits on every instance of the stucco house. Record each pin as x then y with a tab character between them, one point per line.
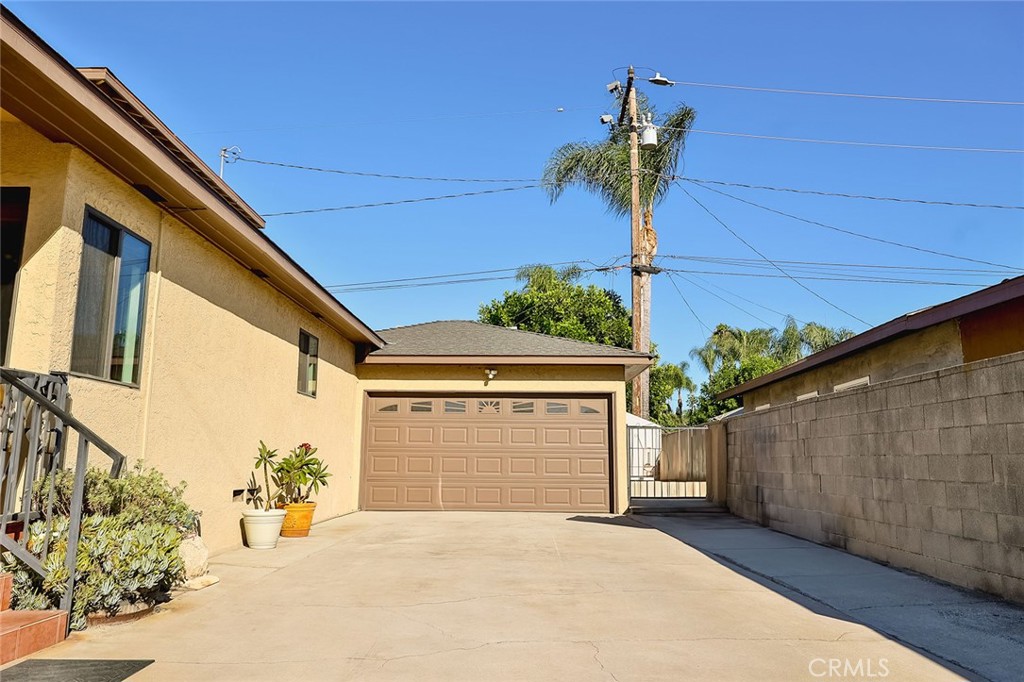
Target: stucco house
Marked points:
186	335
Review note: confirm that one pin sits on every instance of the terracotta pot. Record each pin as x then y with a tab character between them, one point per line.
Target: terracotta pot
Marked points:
297	519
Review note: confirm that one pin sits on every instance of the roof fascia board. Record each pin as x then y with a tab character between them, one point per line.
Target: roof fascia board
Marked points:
505	360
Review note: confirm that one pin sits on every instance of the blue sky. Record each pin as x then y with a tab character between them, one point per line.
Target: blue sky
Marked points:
471	89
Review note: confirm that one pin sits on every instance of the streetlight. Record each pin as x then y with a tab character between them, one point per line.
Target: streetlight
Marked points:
640	253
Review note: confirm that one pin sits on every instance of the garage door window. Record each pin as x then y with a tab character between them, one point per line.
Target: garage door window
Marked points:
455	407
422	406
388	407
488	406
557	408
522	407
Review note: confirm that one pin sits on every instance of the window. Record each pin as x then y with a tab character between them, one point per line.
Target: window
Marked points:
389	407
488	406
557	408
111	302
309	349
455	407
522	407
422	406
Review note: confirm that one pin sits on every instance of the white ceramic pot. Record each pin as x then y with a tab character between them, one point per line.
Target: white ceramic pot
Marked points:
262	528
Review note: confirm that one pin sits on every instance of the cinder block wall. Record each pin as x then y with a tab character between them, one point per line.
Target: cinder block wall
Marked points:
923	472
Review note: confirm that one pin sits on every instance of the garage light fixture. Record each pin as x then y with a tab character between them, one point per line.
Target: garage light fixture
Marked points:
490	373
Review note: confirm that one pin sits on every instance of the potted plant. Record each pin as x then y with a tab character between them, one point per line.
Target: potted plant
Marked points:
298	476
263	522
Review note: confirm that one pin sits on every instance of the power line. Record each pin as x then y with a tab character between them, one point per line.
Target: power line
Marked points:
856	234
752	262
852	143
388	287
400	201
702	181
692	311
832	278
754	249
388	176
743	298
929	202
900	98
454	275
743	310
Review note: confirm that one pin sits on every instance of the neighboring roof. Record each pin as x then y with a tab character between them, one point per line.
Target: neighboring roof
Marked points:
1007	290
463	341
633	420
94	111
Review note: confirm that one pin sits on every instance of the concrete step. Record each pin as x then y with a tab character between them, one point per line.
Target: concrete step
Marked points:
670	505
23	633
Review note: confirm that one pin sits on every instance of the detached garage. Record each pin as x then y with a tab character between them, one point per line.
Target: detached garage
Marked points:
463	415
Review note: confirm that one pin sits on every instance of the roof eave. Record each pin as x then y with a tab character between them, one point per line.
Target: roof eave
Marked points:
632	365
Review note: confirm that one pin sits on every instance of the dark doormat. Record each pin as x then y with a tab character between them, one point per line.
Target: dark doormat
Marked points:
73	670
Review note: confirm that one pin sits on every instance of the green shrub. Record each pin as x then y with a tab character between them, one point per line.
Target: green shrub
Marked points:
140	496
127	551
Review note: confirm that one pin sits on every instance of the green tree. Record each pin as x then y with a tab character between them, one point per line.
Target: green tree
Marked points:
708	405
553	302
661	387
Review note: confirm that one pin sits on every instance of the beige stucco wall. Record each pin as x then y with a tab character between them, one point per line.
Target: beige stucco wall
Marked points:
219	358
922	351
534	379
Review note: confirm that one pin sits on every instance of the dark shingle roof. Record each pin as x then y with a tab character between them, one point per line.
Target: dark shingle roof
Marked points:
466	338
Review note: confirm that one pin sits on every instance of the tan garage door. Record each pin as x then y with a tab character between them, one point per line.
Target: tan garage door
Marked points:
533	453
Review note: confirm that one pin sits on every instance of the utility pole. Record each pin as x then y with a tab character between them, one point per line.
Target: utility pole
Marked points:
639	267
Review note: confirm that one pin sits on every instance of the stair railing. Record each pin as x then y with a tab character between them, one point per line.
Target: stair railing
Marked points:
34	421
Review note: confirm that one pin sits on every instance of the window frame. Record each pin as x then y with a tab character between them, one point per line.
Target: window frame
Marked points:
304	365
108	341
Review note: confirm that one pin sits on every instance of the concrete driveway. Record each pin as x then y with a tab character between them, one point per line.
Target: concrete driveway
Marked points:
511	596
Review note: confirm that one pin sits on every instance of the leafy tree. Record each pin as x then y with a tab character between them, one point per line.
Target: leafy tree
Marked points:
553	302
661	387
708	405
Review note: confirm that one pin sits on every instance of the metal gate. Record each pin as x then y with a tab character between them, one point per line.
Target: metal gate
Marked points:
666	462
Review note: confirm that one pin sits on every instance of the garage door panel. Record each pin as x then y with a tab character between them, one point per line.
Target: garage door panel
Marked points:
487	435
530	453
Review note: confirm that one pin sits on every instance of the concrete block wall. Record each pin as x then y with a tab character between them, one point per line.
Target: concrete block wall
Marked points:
924	472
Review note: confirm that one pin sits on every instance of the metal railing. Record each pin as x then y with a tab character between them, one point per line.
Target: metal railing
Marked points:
667	462
34	424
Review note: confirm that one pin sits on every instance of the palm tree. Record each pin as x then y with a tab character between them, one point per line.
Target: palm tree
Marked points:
682	382
706	355
603	169
787	346
818	337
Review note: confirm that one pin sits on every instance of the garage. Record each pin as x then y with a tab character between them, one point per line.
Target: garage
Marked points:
459	415
487	452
